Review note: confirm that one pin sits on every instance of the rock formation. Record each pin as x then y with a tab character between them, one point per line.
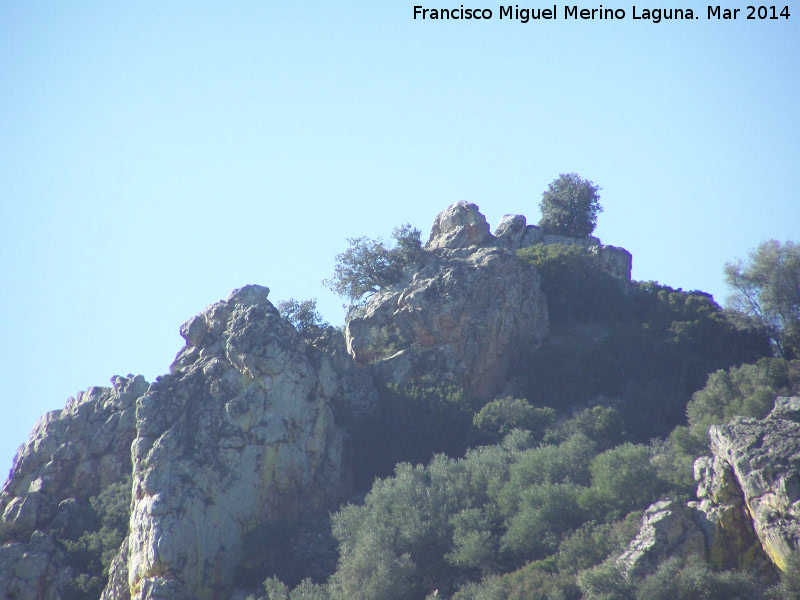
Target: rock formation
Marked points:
746	516
252	422
754	476
249	426
463	314
513	233
243	430
669	528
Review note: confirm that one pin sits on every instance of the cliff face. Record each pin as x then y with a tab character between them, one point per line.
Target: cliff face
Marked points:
71	455
249	426
242	431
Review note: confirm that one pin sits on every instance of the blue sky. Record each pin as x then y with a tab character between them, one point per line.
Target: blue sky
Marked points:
155	156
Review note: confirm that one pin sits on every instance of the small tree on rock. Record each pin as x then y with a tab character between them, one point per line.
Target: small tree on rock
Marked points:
570	206
368	266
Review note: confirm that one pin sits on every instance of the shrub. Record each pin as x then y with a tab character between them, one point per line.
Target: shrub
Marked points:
368	266
499	417
302	314
570	205
749	390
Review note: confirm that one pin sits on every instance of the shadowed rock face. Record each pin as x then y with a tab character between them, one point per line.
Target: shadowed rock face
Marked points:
241	431
462	315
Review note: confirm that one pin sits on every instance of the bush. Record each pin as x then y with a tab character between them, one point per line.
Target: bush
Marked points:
749	390
302	314
623	479
496	420
368	266
570	205
575	283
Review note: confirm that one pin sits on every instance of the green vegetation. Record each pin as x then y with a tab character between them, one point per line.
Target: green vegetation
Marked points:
302	314
749	391
368	266
92	542
767	289
570	205
649	345
532	496
415	422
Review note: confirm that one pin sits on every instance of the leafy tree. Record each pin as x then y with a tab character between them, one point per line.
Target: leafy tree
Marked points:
767	287
749	390
499	417
368	266
570	206
302	314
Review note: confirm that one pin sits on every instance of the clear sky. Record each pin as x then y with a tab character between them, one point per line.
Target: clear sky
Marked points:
156	155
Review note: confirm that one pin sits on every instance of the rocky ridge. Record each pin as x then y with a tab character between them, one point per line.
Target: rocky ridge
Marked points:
252	422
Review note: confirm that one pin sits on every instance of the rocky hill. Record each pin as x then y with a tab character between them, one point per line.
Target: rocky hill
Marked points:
145	491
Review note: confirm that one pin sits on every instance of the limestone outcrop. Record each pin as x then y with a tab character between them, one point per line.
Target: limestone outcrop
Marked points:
251	425
748	507
242	430
461	315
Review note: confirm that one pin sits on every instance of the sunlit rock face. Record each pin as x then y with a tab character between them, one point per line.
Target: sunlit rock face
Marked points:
462	315
755	471
71	455
242	430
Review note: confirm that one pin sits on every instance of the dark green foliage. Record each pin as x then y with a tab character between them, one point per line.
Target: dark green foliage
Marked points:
495	420
570	205
527	583
415	422
289	551
593	542
651	346
789	586
767	288
606	581
603	425
369	265
674	580
302	314
90	550
576	285
694	580
749	390
623	479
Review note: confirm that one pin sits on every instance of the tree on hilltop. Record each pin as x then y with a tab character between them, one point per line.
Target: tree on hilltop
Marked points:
570	205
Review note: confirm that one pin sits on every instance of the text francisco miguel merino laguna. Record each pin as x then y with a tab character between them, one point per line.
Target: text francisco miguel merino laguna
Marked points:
523	15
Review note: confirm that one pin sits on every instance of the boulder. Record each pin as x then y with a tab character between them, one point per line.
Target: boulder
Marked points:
513	233
243	430
460	225
463	317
